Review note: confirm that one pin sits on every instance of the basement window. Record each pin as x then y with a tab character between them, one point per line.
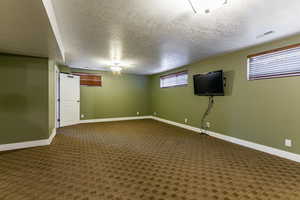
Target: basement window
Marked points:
174	79
90	79
282	62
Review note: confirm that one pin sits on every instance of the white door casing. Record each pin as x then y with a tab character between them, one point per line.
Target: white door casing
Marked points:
69	99
56	78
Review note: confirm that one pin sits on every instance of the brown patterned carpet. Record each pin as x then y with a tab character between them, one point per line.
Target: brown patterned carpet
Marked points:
145	160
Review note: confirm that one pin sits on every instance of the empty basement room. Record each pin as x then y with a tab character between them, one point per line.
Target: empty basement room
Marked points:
149	100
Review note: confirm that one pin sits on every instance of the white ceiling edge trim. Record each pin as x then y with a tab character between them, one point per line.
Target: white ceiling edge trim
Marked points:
53	22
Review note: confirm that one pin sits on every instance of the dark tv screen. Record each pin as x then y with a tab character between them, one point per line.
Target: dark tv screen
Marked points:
210	84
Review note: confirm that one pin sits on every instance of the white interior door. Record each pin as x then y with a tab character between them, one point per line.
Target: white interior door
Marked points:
69	99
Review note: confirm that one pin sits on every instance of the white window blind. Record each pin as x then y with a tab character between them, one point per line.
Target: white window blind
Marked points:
275	63
174	79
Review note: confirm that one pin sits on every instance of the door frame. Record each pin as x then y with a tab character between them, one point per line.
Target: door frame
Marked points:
57	96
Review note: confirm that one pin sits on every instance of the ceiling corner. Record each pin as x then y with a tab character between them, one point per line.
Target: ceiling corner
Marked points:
53	22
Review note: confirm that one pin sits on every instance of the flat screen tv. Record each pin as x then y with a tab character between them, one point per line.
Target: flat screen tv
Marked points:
209	84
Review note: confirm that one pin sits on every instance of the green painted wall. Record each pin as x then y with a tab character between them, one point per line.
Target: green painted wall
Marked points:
261	111
24	109
64	69
120	96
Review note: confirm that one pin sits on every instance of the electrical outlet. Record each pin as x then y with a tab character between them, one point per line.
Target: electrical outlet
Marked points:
154	113
137	113
288	142
185	120
82	115
207	124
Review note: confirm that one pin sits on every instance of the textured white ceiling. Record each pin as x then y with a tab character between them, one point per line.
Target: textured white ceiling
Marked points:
158	35
25	29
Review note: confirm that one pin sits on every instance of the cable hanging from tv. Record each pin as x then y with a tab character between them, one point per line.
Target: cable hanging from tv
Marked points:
206	113
210	84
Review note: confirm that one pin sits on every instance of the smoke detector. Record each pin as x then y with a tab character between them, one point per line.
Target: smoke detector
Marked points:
206	6
265	34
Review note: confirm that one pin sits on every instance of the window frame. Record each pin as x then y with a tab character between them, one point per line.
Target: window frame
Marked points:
282	75
89	74
174	74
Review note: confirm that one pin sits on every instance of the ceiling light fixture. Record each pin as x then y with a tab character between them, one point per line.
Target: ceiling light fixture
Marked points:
206	6
116	69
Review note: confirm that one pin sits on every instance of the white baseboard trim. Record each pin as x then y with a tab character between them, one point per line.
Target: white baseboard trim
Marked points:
53	134
252	145
113	119
23	145
192	128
